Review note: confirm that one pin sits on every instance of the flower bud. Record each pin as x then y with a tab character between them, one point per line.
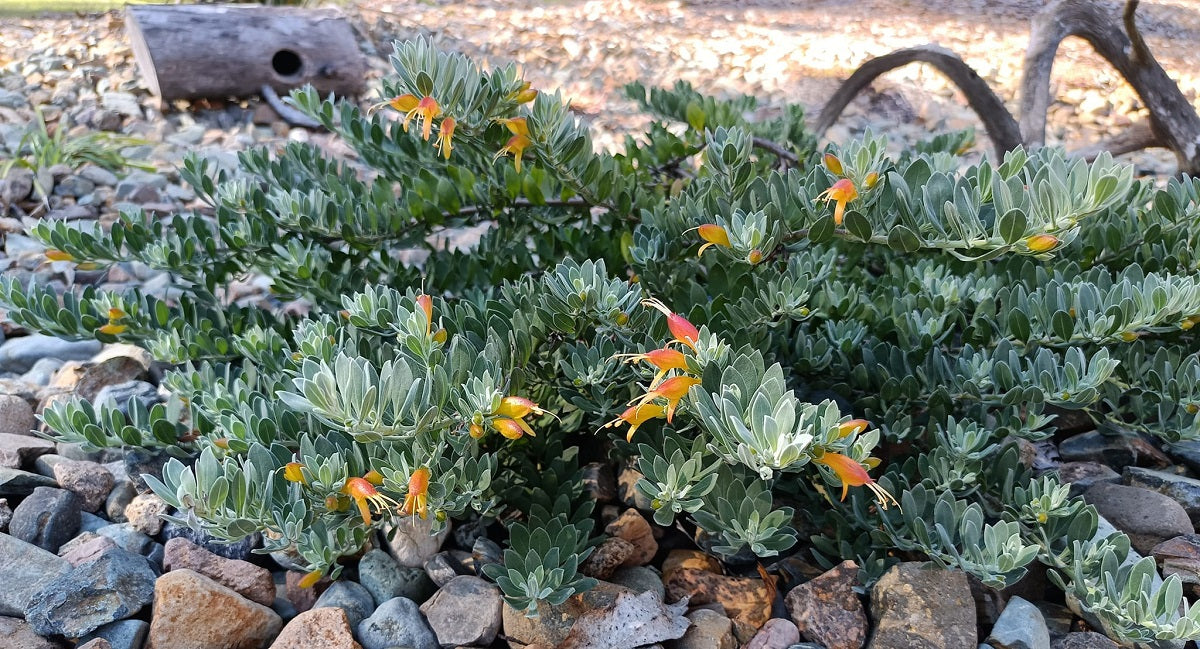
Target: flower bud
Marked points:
1041	242
833	164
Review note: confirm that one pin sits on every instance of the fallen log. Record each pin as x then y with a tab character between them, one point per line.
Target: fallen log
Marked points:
217	51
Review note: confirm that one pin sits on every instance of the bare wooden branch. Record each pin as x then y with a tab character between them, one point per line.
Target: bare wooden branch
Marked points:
1135	138
1173	120
288	114
1001	126
781	152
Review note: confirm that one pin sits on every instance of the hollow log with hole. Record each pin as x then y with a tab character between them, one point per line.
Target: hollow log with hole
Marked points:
218	51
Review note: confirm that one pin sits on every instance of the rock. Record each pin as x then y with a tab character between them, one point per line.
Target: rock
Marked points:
1021	626
251	581
321	628
5	515
243	549
1082	475
121	394
118	499
16	418
1148	517
746	600
87	480
97	643
633	527
443	567
139	462
626	479
46	518
466	611
184	606
127	538
123	103
599	482
111	372
1084	640
1115	450
71	212
918	606
397	622
349	596
74	186
709	630
689	559
111	588
826	610
145	513
19	354
989	602
386	579
24	570
19	635
14	482
89	522
612	553
41	373
122	634
44	464
19	450
98	175
1180	556
630	621
777	633
411	542
1183	490
86	547
640	579
303	598
16	186
553	623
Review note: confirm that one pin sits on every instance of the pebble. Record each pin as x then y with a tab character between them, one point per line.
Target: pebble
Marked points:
611	554
599	481
98	175
16	415
127	538
1181	489
118	499
19	354
111	588
5	515
411	543
98	643
46	518
443	567
86	547
251	581
1148	517
76	212
121	394
41	372
633	527
89	522
709	630
74	186
1082	475
24	570
88	480
183	618
777	633
466	611
386	579
916	605
19	635
145	513
140	461
626	479
321	628
19	450
110	372
826	609
1021	626
640	579
1084	640
1117	450
349	596
15	482
122	634
396	623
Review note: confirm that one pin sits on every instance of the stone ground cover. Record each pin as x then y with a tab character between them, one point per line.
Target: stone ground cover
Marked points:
84	557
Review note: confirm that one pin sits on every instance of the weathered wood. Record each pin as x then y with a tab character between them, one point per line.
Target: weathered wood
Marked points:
1173	120
1001	126
193	51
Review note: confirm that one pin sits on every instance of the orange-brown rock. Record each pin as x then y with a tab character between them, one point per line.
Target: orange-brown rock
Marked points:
693	559
320	628
745	599
251	581
633	527
192	611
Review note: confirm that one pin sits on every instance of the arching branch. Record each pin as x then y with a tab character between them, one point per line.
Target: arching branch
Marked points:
1173	120
1001	126
1135	138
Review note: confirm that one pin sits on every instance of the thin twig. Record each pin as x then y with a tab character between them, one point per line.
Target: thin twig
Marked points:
778	149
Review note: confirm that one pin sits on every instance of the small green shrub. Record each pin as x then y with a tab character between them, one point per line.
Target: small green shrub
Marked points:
847	303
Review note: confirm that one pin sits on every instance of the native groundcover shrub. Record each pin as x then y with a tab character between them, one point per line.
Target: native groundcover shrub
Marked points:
844	342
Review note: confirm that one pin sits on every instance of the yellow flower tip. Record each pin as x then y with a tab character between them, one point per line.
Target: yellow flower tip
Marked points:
852	427
871	180
714	235
833	164
416	501
516	125
1129	336
1188	323
374	477
673	390
842	192
309	580
512	428
58	255
294	472
637	415
518	407
404	103
515	147
439	336
526	96
1042	517
116	314
1192	408
113	329
445	133
475	430
755	257
1041	242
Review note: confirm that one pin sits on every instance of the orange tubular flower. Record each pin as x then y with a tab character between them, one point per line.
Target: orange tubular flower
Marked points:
425	111
683	331
294	472
852	474
417	499
445	132
524	94
515	147
664	359
636	416
113	329
475	430
364	495
518	407
852	427
673	390
374	477
309	580
403	104
715	235
516	125
513	428
426	304
842	192
58	255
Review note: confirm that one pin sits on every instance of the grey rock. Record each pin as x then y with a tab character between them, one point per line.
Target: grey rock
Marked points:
123	103
89	522
19	354
396	623
76	452
1058	618
240	550
127	538
777	633
12	99
74	186
24	570
139	462
106	120
121	394
386	579
1084	640
16	415
46	518
87	480
98	175
16	186
919	606
640	579
5	515
44	464
1183	490
1114	448
42	371
1148	517
86	547
349	596
77	212
118	499
442	568
709	630
122	634
19	450
411	542
138	181
111	588
599	481
1021	626
466	611
1082	475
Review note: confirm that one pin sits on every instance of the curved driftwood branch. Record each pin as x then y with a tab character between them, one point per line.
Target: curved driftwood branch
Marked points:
1001	127
1135	138
1173	120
